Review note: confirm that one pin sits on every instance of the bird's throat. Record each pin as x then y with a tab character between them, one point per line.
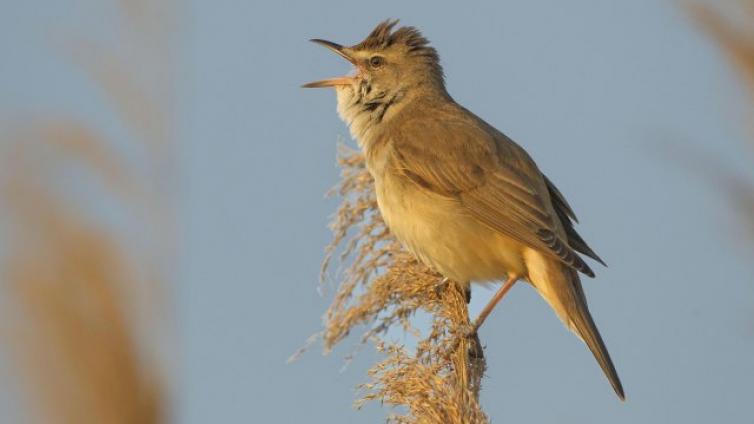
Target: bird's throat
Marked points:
365	109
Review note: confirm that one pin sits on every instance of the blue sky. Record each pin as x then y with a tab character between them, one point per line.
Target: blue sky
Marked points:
602	94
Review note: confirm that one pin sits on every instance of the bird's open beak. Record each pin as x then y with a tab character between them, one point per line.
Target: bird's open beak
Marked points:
332	82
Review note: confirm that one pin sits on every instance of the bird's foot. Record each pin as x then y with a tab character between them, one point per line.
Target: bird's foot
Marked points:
476	350
469	331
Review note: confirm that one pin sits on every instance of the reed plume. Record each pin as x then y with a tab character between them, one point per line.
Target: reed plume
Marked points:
382	288
87	234
730	24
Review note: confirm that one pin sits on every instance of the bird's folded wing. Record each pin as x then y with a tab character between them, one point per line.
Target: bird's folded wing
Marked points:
498	184
566	215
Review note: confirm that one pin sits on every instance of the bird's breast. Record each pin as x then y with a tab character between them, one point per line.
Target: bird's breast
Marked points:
440	232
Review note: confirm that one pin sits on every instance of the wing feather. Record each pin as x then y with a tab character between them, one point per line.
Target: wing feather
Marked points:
565	213
493	178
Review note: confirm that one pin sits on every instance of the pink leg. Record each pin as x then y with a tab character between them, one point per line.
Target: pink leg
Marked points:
493	302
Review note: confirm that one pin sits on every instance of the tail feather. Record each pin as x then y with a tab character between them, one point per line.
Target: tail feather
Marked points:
583	325
560	286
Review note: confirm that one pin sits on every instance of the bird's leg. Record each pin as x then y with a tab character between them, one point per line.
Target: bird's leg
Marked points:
493	302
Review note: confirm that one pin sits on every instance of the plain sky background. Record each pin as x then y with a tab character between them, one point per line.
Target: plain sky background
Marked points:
601	93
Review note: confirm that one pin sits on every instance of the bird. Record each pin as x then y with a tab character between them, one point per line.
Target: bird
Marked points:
460	195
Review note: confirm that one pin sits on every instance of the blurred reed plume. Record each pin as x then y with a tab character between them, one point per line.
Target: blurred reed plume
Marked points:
87	232
383	286
73	343
731	24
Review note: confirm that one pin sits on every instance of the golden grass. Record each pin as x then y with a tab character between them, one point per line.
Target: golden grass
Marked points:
736	38
383	286
731	24
80	320
71	338
67	279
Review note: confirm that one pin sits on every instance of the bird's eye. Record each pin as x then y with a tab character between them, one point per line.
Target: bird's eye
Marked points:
376	61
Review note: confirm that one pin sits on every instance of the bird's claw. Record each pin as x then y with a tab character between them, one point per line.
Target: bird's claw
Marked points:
469	331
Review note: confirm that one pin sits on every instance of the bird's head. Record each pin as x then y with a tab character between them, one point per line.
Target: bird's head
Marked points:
387	62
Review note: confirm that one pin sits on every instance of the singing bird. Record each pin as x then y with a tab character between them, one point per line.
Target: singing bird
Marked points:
459	194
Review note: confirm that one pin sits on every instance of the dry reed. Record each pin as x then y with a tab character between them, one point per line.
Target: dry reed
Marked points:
731	25
72	340
87	230
383	287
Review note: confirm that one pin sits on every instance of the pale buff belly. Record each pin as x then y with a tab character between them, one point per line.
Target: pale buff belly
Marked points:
444	236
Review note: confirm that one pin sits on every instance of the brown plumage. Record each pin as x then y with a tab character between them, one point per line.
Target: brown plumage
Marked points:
458	193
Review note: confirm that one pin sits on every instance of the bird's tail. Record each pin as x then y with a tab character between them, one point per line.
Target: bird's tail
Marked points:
561	288
582	324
